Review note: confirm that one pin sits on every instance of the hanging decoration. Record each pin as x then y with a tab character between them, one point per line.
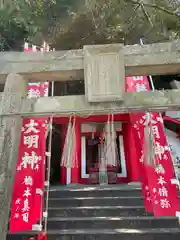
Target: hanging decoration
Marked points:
157	179
149	147
111	152
69	157
29	186
136	84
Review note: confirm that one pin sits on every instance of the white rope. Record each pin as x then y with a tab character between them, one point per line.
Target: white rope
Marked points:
47	180
48	174
69	156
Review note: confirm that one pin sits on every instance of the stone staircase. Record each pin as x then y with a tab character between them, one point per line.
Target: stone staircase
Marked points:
103	213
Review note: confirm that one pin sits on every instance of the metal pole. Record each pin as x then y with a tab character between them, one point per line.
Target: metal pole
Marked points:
48	167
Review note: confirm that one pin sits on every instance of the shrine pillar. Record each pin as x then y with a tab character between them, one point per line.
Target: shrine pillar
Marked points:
131	154
10	130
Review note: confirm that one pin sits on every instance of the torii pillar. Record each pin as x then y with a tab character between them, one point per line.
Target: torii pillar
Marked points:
10	129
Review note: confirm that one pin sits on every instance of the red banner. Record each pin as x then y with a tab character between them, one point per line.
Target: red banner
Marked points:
27	198
138	84
164	196
160	194
29	179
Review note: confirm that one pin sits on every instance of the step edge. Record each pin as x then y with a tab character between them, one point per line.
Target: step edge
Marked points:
110	218
95	190
105	231
92	198
96	207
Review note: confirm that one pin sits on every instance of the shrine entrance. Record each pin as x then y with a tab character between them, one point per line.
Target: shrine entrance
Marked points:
94	148
56	153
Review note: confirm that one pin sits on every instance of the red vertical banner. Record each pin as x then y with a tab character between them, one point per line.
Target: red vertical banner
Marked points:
29	180
137	84
27	198
162	194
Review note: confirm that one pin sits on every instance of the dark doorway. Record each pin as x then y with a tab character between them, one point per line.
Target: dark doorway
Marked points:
56	154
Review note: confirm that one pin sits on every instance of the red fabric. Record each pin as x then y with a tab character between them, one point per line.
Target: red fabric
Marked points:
42	236
162	195
28	50
166	118
30	169
29	178
175	129
134	84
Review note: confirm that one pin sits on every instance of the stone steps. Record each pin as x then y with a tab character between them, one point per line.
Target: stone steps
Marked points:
106	234
112	222
103	212
96	192
95	201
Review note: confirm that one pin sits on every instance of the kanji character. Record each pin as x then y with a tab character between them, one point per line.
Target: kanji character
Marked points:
141	87
164	203
18	201
30	160
25	217
33	93
163	192
26	207
159	169
27	192
31	141
156	131
31	127
159	150
161	181
28	181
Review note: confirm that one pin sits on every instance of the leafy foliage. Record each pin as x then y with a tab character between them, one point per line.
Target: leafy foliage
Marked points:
68	24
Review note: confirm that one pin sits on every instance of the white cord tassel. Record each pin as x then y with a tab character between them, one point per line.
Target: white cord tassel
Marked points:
146	141
110	143
107	145
66	148
149	146
113	145
72	157
69	157
26	45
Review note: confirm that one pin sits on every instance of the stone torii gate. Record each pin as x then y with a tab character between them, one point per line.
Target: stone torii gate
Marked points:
103	69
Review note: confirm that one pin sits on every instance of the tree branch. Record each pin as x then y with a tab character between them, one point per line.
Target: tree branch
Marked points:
162	9
147	15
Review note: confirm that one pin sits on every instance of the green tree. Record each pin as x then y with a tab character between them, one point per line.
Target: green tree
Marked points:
68	24
126	21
